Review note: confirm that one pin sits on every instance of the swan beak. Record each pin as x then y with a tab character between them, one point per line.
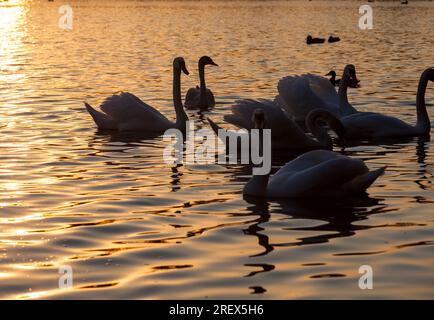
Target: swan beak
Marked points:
328	74
184	69
214	64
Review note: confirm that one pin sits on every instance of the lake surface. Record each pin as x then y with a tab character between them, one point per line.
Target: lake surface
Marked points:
133	227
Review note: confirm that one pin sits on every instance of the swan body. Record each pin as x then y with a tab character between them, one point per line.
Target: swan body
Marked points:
299	95
285	133
201	97
318	173
372	125
126	112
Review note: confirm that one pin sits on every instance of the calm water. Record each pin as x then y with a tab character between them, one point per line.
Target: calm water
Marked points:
131	226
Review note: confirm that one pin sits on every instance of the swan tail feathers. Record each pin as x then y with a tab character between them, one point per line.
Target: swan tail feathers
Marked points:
102	120
361	183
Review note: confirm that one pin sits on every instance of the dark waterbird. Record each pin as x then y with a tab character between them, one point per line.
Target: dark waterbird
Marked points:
201	97
334	39
311	40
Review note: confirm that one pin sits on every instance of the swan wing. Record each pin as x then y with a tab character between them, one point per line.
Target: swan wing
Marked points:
192	97
276	119
315	178
210	97
307	160
301	94
126	107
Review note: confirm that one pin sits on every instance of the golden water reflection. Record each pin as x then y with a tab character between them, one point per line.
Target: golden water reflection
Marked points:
131	226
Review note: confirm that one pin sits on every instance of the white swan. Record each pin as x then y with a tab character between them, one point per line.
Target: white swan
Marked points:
285	133
201	97
372	125
318	173
126	112
301	94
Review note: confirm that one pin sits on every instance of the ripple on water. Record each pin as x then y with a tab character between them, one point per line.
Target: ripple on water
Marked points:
131	226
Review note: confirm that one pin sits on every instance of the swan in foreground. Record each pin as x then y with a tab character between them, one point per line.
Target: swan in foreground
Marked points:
318	173
126	112
285	133
301	94
372	125
201	97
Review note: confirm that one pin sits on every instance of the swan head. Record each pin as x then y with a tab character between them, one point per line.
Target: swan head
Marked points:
258	119
318	117
309	38
179	64
430	72
207	60
350	73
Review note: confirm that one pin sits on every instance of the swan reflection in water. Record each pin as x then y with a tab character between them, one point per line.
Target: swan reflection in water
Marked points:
338	217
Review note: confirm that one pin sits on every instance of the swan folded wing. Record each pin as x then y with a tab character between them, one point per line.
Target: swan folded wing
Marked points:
276	119
301	94
323	89
324	178
127	107
309	160
192	96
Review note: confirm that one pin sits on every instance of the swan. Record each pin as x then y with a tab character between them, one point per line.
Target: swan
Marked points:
318	173
372	125
285	133
201	97
301	94
126	112
333	39
311	40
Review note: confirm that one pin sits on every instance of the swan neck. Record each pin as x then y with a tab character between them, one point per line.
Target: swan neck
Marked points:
181	116
257	185
342	92
423	122
345	107
202	83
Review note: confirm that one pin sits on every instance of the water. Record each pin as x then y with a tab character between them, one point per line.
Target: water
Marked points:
131	226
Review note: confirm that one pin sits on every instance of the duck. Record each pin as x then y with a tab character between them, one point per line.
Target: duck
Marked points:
311	40
354	83
201	97
314	174
373	125
333	79
126	112
300	94
333	39
285	133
